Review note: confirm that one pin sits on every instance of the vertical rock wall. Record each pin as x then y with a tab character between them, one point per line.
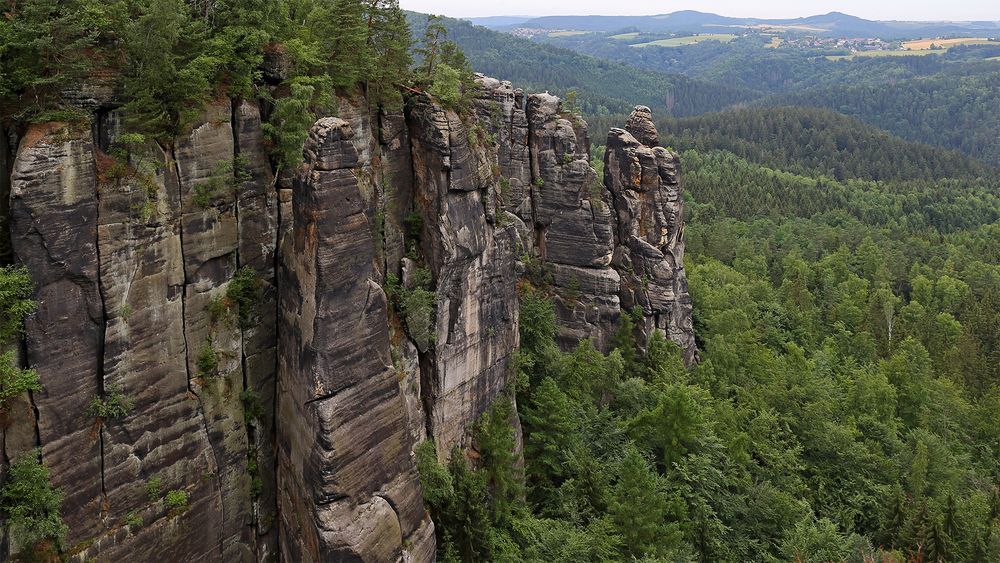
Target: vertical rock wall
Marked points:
292	434
132	258
347	482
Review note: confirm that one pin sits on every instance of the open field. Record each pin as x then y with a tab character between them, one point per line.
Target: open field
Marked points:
689	40
625	36
566	33
919	47
925	44
882	54
775	43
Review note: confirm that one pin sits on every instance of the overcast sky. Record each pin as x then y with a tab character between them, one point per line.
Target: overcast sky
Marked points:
870	9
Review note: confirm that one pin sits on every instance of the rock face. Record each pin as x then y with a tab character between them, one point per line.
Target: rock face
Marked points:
260	327
649	237
347	482
602	245
471	259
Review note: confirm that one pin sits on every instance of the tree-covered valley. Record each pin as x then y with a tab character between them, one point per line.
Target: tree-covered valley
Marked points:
289	281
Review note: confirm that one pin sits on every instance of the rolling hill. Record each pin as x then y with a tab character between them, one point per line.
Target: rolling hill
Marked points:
689	21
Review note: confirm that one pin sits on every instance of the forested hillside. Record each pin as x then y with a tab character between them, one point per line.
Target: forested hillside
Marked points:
602	86
944	99
954	109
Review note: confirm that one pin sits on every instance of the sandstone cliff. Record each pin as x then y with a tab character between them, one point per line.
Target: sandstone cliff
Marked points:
285	341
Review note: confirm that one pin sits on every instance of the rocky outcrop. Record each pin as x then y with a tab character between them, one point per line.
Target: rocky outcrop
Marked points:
471	258
347	481
261	327
601	245
649	254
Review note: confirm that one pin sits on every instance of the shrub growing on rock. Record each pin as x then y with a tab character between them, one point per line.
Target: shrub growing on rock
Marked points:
30	503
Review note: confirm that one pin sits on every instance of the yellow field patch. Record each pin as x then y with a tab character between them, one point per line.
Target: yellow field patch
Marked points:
625	36
775	43
566	33
925	44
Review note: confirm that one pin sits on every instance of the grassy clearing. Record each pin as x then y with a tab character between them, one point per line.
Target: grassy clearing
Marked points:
689	40
566	33
882	54
625	36
775	43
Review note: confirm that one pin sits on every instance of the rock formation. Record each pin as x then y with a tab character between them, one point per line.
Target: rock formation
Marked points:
288	417
649	238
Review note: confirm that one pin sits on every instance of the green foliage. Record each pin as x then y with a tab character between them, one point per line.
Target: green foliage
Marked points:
113	404
15	300
638	510
227	177
416	304
176	500
810	141
538	322
245	291
30	504
170	72
15	381
253	408
446	86
293	115
495	441
43	51
208	359
154	489
133	520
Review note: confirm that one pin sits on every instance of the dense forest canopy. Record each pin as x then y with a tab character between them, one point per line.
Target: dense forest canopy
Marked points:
812	142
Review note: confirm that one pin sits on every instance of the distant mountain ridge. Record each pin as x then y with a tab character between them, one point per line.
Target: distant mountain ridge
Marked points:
691	21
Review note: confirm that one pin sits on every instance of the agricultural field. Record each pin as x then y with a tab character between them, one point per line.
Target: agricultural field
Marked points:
566	33
926	44
688	40
853	56
625	36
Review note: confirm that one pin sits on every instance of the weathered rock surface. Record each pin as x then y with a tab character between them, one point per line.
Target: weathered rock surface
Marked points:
347	482
471	259
643	179
54	233
292	434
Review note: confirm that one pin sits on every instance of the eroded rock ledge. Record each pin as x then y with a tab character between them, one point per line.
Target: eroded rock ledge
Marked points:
292	434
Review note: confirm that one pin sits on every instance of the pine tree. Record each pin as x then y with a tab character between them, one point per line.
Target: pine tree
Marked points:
31	504
548	423
637	508
170	70
389	43
430	50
